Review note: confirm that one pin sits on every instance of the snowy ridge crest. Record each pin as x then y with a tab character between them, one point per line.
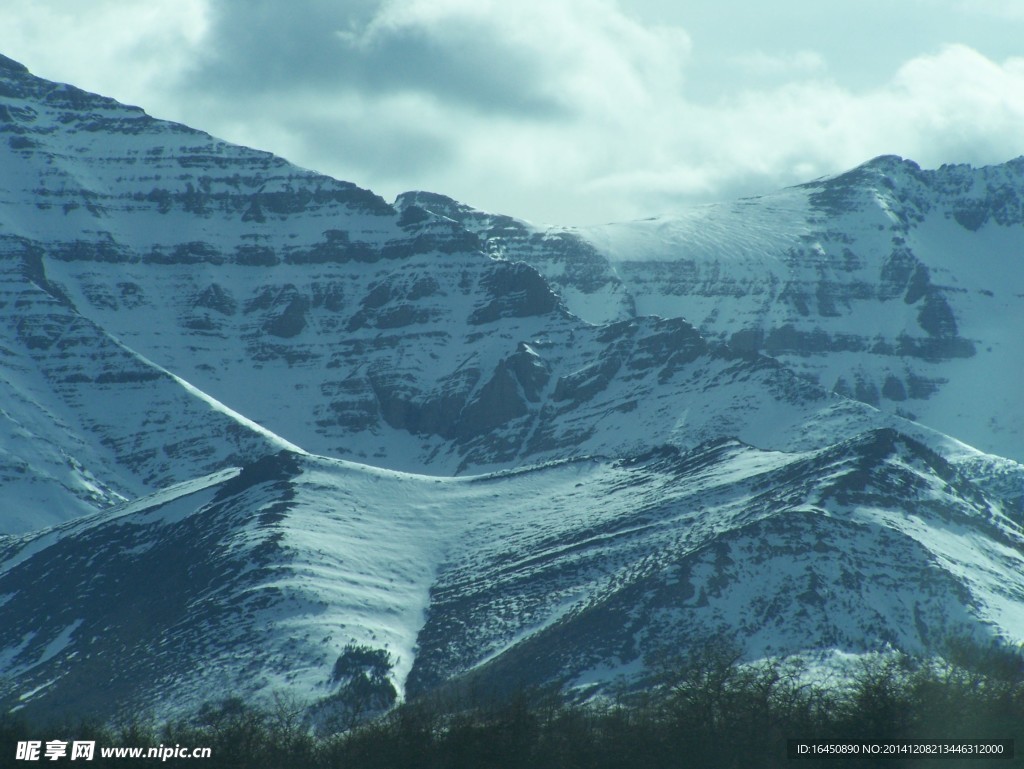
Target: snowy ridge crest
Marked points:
578	573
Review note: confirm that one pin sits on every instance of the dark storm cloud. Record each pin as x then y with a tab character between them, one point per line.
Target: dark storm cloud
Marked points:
257	47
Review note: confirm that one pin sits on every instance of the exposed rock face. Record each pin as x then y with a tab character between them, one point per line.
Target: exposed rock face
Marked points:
571	265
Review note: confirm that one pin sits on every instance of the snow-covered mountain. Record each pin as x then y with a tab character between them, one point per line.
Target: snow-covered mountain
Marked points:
285	434
585	573
894	285
316	310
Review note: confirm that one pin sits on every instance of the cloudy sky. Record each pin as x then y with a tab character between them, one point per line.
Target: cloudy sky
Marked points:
559	111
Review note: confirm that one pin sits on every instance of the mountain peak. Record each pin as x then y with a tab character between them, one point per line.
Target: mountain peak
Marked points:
890	163
11	65
882	171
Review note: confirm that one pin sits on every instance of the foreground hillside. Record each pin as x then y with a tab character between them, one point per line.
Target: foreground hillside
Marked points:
298	574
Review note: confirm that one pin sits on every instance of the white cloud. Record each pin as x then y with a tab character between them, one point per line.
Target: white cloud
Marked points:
960	102
953	106
121	48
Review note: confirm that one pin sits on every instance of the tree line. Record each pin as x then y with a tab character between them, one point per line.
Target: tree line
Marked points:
706	710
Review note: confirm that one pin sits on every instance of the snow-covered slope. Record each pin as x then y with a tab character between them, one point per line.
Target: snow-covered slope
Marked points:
86	421
582	573
898	286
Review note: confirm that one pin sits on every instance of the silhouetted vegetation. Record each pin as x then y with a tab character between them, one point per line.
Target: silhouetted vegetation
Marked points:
706	711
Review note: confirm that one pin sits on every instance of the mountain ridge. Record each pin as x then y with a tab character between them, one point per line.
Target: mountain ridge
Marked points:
306	558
